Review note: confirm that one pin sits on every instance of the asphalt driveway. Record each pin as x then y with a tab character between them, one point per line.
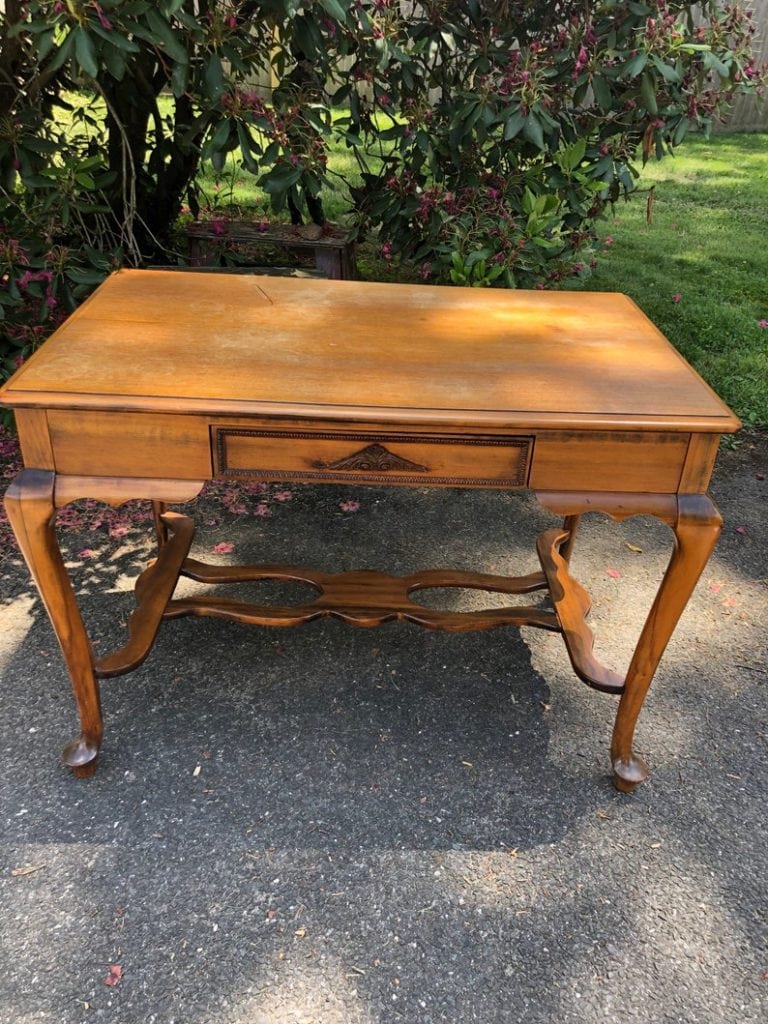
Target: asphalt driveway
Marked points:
325	825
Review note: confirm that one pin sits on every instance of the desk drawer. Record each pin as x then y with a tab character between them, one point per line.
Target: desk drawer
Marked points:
340	457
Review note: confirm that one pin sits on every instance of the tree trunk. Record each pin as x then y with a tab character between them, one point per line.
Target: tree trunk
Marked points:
152	175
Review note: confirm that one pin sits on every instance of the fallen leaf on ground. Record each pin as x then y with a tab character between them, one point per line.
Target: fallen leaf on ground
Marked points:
633	547
28	869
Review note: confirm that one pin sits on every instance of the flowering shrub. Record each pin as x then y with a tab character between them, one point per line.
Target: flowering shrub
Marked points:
511	126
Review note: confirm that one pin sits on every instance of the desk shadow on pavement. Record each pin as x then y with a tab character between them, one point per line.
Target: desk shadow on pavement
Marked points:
397	737
318	736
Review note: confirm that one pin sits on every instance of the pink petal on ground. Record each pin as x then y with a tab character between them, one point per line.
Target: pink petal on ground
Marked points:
614	574
224	547
349	506
114	976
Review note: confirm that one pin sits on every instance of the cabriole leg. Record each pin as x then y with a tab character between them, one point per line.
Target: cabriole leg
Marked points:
159	508
696	531
29	503
570	523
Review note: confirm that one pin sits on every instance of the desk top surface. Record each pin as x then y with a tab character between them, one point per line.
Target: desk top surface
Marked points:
220	344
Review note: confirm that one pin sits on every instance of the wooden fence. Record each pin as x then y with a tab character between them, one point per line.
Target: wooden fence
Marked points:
749	114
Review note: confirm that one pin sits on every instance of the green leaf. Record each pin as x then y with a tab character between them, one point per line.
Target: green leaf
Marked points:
533	131
681	130
163	31
179	79
581	92
85	53
667	71
114	38
514	125
79	275
713	63
40	145
476	257
648	93
245	149
335	9
221	135
602	92
571	156
634	66
280	178
114	61
214	77
44	46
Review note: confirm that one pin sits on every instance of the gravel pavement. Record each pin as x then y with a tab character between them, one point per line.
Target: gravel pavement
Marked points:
326	825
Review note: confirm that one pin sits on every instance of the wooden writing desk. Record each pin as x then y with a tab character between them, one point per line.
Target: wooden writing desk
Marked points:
162	380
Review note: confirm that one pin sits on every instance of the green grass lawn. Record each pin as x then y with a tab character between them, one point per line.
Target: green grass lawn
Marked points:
708	244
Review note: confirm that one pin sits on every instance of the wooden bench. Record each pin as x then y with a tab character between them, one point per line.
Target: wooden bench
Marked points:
333	251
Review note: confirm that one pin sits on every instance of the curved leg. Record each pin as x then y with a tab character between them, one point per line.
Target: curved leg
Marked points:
696	531
29	503
159	508
571	524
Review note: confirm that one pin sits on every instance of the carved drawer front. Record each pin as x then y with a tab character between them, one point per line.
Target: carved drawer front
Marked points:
476	461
